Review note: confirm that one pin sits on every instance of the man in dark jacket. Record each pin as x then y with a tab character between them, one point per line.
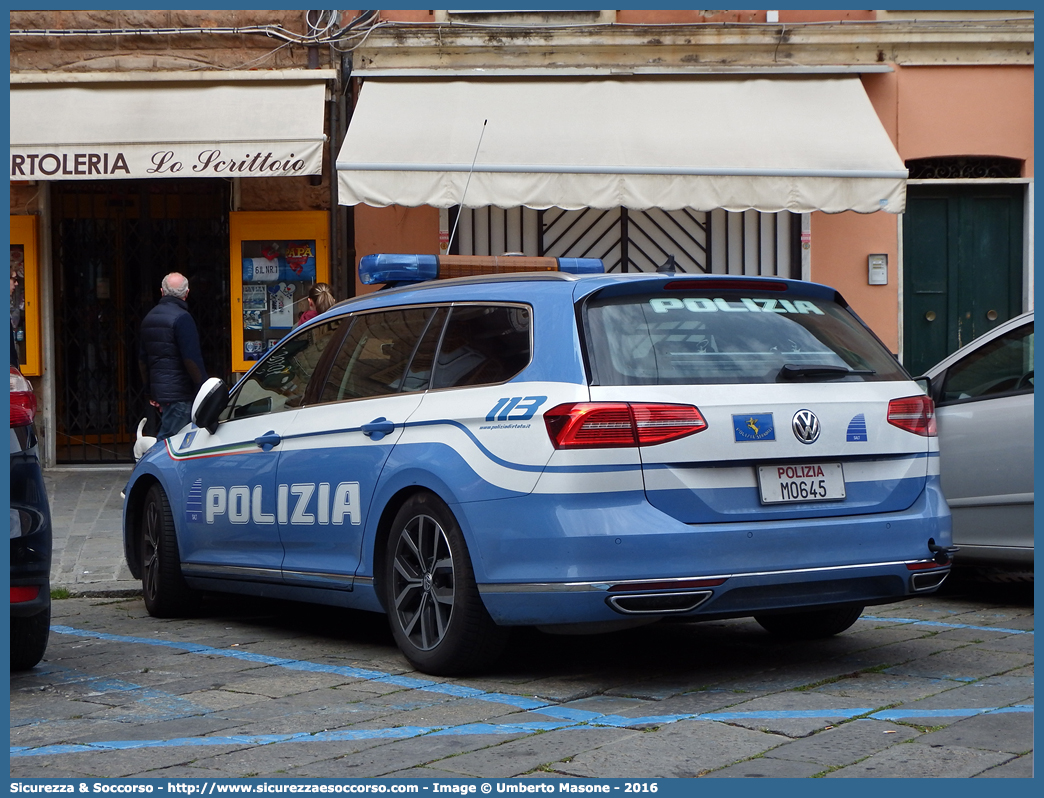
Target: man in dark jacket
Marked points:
169	356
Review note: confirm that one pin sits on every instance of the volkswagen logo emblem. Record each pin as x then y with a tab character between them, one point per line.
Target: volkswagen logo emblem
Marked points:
805	426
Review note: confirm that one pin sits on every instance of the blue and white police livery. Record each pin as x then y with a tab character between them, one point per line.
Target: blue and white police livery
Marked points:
559	448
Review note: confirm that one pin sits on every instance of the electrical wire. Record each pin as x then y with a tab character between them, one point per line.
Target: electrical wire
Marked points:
249	63
319	32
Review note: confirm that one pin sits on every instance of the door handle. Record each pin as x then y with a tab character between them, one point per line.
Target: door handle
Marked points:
377	428
268	440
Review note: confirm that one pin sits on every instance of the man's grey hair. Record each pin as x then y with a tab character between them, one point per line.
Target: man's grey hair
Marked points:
175	285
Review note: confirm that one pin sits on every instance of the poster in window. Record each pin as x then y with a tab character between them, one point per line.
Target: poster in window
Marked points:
276	259
254	297
276	277
18	299
252	320
281	306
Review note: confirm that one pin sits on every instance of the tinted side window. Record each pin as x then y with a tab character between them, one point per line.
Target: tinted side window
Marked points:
373	359
418	375
483	344
280	380
1004	365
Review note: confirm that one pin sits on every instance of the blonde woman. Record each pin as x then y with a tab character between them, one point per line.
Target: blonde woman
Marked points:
320	300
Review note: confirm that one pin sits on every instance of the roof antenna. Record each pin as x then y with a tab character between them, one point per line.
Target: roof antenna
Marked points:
670	267
449	244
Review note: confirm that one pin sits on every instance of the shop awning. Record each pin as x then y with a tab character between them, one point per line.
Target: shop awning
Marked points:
770	144
87	131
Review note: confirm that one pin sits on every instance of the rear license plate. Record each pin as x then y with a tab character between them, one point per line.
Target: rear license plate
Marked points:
801	483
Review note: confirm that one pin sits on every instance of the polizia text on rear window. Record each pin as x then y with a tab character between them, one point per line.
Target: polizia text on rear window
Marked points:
661	339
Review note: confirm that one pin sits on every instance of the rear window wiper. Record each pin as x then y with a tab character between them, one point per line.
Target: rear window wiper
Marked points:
791	371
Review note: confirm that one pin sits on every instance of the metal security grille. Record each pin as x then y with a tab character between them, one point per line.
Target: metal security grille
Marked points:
962	168
113	242
718	242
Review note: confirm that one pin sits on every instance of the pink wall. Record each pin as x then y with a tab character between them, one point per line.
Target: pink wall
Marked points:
405	16
981	110
882	88
683	16
394	229
841	243
805	15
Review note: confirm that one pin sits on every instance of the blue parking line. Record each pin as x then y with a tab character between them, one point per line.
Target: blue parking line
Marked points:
412	682
903	714
400	733
151	705
919	622
407	732
788	714
568	718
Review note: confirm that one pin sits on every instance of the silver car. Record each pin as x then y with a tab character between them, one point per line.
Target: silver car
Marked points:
983	395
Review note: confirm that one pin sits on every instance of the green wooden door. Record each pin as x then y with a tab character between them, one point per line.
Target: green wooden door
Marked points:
962	267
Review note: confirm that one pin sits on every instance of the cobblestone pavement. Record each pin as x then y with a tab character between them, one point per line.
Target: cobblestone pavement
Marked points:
938	687
87	521
941	686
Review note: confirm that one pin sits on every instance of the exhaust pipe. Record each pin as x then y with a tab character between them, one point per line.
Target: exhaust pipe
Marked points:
659	603
927	580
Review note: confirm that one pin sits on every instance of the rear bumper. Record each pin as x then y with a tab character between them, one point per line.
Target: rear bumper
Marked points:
31	522
583	560
34	606
737	595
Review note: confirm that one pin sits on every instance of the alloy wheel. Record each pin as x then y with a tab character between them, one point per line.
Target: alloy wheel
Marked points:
150	544
422	582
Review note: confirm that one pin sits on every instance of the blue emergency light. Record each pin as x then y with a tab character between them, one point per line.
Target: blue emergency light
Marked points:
405	269
581	265
398	269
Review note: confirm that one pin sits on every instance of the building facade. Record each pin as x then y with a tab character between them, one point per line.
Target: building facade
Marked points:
889	154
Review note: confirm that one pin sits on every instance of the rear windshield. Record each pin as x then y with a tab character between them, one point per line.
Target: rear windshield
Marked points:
675	337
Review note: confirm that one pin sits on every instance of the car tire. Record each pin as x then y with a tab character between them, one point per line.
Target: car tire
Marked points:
163	587
29	639
436	614
810	625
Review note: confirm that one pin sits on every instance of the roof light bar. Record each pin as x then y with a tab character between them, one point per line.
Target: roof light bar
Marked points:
402	269
398	268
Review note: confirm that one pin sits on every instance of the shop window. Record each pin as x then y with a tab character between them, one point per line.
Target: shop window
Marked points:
276	257
25	294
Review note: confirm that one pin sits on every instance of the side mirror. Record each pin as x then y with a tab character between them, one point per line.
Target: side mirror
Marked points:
925	384
210	400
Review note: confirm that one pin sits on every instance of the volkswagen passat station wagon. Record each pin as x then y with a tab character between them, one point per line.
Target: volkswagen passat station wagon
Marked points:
548	445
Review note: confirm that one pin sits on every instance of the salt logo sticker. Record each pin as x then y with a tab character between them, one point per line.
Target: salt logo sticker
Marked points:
857	430
194	503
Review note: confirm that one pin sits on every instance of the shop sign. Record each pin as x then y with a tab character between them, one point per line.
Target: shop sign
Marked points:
137	161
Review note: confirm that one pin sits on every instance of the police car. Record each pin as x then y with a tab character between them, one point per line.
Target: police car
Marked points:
549	445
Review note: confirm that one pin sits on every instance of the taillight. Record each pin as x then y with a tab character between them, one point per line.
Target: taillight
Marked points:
23	400
21	594
922	565
914	414
599	425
